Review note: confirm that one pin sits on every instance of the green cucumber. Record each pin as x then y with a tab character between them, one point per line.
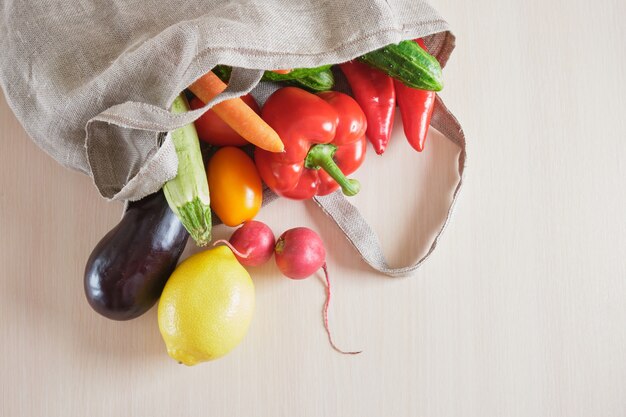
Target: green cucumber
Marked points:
312	79
294	74
223	72
408	63
318	81
188	193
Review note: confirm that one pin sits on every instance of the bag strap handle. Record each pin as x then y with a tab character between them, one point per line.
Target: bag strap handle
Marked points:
359	232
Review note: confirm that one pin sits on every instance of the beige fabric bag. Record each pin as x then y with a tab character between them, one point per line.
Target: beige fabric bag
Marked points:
91	81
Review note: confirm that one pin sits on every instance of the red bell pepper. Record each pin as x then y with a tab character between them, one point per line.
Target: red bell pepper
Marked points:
324	138
416	109
375	93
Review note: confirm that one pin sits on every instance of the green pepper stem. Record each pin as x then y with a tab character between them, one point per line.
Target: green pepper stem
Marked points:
320	156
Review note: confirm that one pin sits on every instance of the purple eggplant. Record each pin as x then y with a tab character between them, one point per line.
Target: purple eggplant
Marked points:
128	268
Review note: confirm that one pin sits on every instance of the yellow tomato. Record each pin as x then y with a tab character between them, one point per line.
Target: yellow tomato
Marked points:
235	186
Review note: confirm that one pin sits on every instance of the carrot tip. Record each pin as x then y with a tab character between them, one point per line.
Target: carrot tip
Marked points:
272	147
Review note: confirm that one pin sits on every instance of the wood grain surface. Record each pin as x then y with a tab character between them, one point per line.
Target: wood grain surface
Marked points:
521	311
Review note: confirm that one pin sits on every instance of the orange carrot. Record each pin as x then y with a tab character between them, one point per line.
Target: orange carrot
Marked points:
282	71
237	114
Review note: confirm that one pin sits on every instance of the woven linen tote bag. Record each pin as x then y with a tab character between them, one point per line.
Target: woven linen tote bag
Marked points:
91	82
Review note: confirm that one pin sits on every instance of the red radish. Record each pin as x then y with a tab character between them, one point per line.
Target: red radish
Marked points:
299	253
252	243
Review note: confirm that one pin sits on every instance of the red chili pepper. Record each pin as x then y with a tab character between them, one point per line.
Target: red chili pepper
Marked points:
416	109
324	138
374	92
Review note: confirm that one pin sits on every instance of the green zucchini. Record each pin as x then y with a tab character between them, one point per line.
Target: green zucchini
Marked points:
408	63
188	193
312	79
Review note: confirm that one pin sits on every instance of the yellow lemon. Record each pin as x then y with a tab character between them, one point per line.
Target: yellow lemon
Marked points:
206	306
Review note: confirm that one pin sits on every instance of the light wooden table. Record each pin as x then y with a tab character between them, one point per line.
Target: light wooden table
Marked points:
521	311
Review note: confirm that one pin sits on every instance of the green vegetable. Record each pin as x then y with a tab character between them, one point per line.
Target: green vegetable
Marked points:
223	71
318	81
294	74
188	193
408	63
312	79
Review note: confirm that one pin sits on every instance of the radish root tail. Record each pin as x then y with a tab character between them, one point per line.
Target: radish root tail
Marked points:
231	247
325	316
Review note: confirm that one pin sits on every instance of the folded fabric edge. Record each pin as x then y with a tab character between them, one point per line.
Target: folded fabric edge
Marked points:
143	116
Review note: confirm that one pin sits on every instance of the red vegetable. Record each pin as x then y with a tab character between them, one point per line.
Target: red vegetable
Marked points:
299	253
416	109
236	113
375	93
213	130
324	141
252	244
